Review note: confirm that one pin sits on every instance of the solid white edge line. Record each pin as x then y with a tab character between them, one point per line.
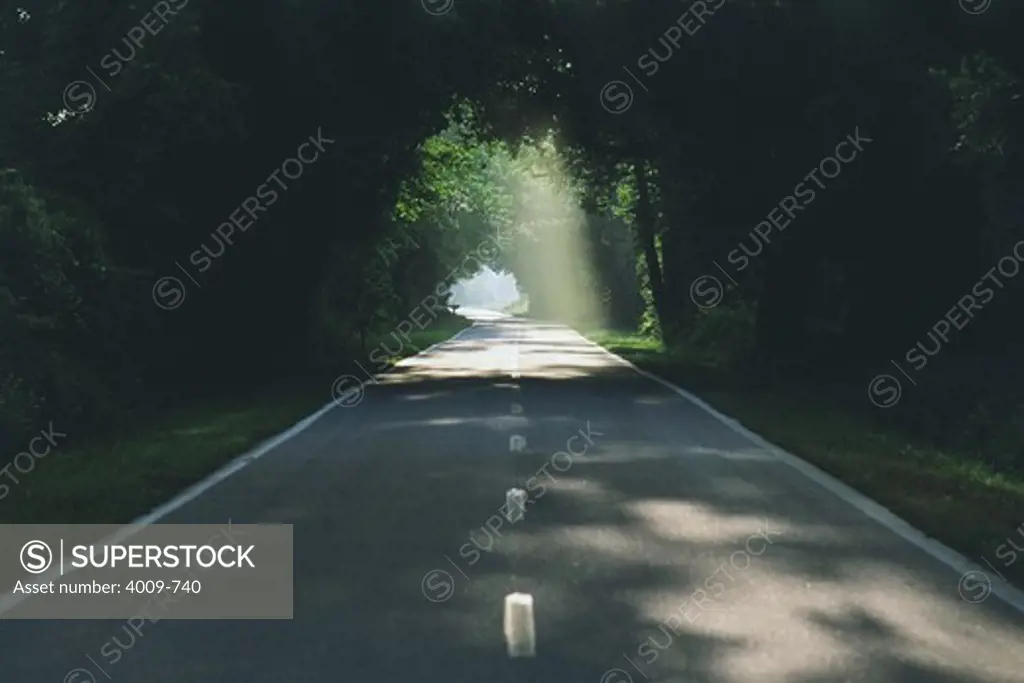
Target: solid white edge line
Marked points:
259	451
944	554
9	601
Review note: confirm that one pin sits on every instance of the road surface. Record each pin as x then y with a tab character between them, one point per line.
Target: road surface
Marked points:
663	546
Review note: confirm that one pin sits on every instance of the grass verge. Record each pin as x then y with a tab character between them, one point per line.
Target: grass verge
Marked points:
947	495
116	479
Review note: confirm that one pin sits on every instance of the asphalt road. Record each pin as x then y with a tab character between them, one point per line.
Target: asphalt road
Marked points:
663	546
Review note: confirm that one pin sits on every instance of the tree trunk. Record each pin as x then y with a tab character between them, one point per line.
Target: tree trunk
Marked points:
645	237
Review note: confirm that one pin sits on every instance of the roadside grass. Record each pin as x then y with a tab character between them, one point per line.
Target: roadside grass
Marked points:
948	495
118	478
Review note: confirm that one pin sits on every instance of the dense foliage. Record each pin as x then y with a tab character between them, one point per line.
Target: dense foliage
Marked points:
124	158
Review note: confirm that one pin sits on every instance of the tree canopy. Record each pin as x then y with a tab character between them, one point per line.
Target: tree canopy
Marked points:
660	134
